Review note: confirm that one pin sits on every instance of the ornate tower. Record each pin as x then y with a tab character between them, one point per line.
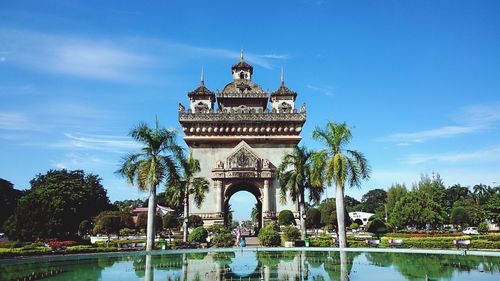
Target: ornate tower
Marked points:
241	142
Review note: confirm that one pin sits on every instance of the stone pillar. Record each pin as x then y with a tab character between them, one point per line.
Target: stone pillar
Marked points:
218	199
265	200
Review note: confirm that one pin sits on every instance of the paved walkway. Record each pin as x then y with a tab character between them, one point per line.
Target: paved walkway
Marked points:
252	242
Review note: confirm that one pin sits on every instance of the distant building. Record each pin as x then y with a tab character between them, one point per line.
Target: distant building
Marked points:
160	210
360	218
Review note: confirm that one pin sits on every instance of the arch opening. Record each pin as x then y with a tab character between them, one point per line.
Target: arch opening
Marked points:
244	193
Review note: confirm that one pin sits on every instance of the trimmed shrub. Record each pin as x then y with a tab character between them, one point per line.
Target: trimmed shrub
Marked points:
194	221
482	227
269	237
354	225
291	233
127	231
377	227
221	237
199	235
286	217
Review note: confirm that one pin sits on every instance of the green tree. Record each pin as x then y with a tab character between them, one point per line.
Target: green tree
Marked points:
329	218
352	204
482	227
459	216
373	199
108	224
129	205
475	214
339	165
377	227
416	208
56	204
84	227
455	193
156	163
255	214
394	193
8	200
492	208
480	192
199	235
188	185
285	217
194	221
313	218
294	175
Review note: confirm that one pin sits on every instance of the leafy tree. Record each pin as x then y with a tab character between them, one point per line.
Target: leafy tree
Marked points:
416	208
377	227
188	185
291	233
126	219
475	214
352	204
170	222
221	237
8	200
455	193
285	217
199	235
313	218
480	192
56	204
395	192
194	221
459	216
329	216
156	163
492	208
339	165
294	175
482	227
373	199
142	221
129	205
84	227
255	214
108	224
269	237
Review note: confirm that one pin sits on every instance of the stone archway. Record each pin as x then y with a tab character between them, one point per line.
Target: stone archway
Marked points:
244	170
247	186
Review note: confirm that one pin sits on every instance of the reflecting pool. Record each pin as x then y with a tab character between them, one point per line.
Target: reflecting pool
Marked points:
256	264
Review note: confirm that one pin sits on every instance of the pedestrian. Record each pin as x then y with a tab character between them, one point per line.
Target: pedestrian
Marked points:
243	242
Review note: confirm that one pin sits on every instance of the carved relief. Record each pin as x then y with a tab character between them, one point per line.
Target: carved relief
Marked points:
242	159
201	108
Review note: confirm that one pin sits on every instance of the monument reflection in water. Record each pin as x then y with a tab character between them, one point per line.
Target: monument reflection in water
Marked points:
261	265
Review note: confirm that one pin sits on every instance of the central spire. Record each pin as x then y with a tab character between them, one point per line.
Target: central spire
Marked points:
241	55
202	77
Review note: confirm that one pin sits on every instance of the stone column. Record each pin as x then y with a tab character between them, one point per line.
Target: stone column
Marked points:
265	200
218	199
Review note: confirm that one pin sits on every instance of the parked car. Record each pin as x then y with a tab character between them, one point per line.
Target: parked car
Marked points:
470	231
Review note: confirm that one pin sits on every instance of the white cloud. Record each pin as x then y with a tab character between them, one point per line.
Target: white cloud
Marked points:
327	91
422	136
471	119
489	154
74	56
78	161
115	59
115	144
16	121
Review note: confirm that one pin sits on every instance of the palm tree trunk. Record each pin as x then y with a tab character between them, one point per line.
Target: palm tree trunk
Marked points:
339	204
302	208
150	234
186	211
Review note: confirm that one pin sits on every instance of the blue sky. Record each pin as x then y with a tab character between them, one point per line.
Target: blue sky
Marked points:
419	81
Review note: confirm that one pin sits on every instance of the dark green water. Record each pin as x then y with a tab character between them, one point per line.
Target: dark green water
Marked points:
261	265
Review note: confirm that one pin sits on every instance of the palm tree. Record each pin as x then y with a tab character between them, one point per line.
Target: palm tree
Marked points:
480	192
294	175
187	185
156	163
339	165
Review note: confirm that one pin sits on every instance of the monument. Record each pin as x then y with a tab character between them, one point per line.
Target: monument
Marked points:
240	135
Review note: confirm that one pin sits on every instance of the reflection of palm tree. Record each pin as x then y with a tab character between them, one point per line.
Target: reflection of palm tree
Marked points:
339	165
